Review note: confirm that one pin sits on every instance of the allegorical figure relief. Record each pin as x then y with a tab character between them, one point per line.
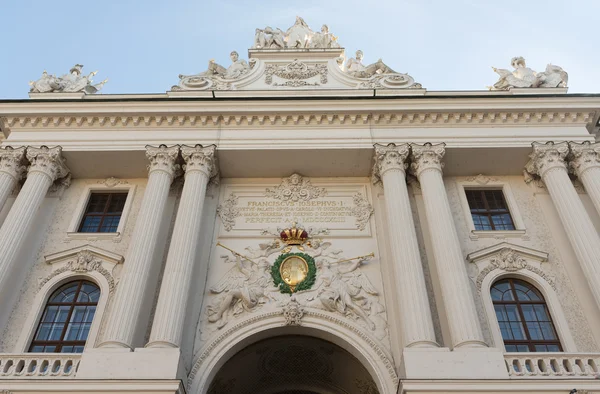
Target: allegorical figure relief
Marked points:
524	77
324	39
355	68
299	35
242	289
341	289
68	83
237	68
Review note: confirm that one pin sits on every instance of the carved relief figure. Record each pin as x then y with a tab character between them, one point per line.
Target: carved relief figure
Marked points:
355	67
341	289
216	75
524	77
242	289
68	83
324	39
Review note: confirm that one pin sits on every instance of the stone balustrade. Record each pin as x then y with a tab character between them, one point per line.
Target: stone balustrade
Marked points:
38	366
553	365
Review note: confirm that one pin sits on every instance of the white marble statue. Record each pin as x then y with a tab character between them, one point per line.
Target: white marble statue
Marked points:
340	288
216	76
299	35
324	39
68	83
355	68
524	77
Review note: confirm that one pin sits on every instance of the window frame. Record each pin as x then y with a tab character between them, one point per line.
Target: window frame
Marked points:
529	341
74	226
42	297
62	342
488	212
493	184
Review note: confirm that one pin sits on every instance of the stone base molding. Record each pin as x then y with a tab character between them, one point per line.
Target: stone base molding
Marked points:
463	320
410	291
200	167
548	162
127	305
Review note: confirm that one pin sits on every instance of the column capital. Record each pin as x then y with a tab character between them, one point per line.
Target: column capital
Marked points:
11	162
163	158
48	161
199	158
389	157
427	157
584	156
546	156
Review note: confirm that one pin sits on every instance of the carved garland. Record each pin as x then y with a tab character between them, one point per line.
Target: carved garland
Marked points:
295	72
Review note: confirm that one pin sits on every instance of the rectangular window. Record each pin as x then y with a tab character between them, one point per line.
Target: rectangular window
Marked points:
103	212
489	210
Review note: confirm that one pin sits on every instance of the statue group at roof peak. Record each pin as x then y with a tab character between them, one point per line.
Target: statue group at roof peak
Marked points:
524	77
280	64
69	83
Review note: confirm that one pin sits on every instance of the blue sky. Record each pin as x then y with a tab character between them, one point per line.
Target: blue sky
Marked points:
142	46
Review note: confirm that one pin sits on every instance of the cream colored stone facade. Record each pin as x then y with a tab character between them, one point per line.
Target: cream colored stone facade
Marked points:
361	157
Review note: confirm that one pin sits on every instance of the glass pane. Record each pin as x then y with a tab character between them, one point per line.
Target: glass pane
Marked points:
500	313
117	202
50	314
481	222
43	332
55	331
37	349
67	349
506	331
522	348
511	348
541	312
72	332
548	331
535	331
90	224
63	293
529	313
518	331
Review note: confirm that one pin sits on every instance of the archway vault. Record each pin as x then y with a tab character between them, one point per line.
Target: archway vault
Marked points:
372	355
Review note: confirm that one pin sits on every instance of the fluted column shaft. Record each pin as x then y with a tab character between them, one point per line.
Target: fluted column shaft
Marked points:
167	328
465	329
127	304
548	161
415	313
11	170
585	163
47	165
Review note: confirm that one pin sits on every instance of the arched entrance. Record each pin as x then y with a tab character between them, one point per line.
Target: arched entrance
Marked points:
293	364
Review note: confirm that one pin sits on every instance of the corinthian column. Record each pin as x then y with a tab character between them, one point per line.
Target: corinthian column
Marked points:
124	315
11	170
167	329
585	163
465	329
47	165
548	161
415	314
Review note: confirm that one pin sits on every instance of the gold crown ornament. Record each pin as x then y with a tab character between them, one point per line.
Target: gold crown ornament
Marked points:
294	235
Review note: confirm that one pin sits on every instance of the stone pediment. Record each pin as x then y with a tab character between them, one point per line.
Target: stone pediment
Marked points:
296	59
84	253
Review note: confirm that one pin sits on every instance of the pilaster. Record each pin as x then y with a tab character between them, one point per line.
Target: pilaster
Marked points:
139	262
169	319
411	294
458	298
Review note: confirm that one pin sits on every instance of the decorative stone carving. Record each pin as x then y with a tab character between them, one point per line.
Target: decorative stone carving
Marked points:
427	156
584	156
12	161
508	260
68	83
48	161
377	75
524	77
355	68
163	158
388	157
482	179
112	182
216	76
362	210
296	72
546	157
86	261
199	158
299	35
324	39
228	211
295	188
293	312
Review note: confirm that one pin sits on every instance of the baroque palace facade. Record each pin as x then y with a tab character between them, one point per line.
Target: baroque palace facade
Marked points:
300	222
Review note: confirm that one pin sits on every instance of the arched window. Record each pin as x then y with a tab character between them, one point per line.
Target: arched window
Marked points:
523	317
67	318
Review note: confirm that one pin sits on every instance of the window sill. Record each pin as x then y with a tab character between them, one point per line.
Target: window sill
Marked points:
499	234
115	237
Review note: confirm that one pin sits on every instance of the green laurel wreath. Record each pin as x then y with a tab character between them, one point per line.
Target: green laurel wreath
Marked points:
306	284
